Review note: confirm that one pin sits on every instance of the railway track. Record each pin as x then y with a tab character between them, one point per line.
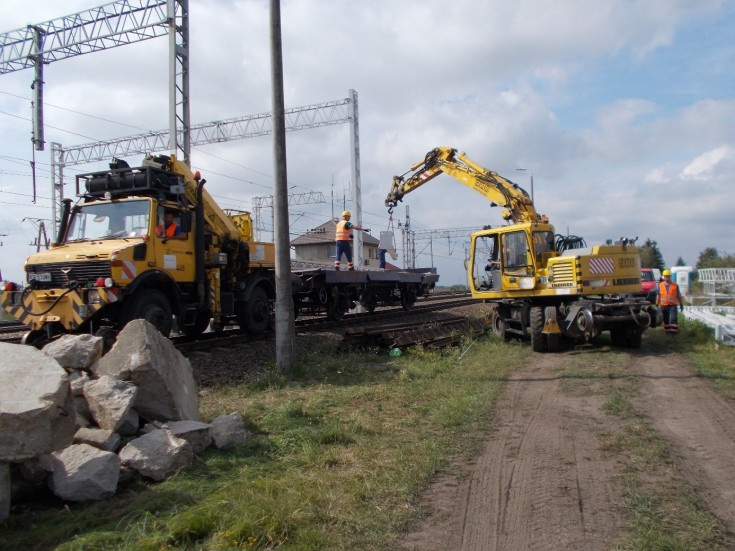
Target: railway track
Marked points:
12	332
209	341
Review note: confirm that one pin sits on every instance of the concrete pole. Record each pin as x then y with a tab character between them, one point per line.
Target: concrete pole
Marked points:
357	253
284	303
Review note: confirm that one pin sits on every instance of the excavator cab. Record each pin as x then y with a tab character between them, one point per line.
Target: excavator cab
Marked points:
509	258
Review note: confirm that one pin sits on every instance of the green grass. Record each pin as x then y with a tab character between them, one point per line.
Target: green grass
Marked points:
334	459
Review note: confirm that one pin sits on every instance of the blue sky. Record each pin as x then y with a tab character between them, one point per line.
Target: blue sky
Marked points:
623	111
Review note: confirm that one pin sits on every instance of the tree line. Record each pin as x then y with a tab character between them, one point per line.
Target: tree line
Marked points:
710	257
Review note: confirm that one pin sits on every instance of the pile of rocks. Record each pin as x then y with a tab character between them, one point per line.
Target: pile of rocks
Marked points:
80	421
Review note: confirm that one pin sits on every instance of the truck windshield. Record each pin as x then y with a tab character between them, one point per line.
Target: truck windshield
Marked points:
109	221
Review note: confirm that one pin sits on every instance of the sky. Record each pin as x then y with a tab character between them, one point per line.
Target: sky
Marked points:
621	112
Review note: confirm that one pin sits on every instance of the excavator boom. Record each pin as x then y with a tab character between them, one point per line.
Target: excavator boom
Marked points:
516	202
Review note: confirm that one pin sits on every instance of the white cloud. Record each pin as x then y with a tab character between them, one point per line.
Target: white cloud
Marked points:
498	79
707	163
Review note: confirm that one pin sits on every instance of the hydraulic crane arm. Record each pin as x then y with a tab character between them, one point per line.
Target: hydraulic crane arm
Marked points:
516	202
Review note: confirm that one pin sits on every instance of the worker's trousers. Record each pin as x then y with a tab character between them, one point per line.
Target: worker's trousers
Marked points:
343	247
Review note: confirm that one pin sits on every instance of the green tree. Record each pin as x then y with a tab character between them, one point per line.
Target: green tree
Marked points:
708	258
651	256
680	262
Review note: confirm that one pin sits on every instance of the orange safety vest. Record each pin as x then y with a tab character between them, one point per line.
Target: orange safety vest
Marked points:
343	233
669	298
170	230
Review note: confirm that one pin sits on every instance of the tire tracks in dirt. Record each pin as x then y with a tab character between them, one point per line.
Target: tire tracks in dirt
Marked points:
541	481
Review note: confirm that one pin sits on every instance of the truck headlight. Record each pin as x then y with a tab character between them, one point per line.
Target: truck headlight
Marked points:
93	296
527	282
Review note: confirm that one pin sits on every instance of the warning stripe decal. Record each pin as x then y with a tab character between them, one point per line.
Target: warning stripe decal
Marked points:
602	265
129	270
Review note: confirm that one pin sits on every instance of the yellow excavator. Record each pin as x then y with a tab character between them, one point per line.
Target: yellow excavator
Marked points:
552	287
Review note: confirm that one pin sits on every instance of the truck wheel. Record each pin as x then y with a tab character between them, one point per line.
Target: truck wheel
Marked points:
255	314
109	335
152	306
538	340
499	325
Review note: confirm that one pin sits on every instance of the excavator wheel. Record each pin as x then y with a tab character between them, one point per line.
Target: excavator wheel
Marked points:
538	339
499	325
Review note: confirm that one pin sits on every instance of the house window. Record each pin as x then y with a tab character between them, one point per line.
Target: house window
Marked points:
331	251
371	253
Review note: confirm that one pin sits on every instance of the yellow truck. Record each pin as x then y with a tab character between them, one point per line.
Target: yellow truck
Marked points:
541	283
146	242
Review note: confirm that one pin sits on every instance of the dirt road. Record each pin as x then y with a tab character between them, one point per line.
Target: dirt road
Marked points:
544	483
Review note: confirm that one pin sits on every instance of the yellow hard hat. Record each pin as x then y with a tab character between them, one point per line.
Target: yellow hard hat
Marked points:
667	272
346	213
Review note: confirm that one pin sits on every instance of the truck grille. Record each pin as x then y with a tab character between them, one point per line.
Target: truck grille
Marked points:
60	275
563	274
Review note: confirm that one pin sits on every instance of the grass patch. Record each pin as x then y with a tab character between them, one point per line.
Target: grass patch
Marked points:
335	458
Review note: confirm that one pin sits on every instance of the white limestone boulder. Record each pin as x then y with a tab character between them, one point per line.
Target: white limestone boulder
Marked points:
82	473
75	351
37	414
110	401
198	434
228	430
101	439
157	455
164	377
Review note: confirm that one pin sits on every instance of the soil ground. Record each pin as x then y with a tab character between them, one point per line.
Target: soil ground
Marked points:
542	481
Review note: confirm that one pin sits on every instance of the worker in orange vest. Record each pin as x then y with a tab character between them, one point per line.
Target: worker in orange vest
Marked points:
342	239
668	298
170	229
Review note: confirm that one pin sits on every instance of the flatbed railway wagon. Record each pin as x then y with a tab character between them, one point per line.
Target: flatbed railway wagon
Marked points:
319	291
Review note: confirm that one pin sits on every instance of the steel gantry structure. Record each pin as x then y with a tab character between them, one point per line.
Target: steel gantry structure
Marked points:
238	128
127	21
108	26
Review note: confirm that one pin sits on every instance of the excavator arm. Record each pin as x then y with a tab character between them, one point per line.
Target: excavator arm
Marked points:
515	201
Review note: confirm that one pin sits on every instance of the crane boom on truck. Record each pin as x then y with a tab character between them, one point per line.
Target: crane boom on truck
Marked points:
539	282
115	259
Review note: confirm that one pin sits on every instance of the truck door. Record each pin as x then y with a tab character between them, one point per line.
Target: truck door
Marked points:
174	246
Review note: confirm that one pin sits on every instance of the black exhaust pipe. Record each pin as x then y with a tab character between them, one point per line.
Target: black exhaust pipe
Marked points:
64	222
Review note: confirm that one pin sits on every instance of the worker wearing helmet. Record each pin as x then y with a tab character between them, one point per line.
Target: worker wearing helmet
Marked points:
342	238
668	297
